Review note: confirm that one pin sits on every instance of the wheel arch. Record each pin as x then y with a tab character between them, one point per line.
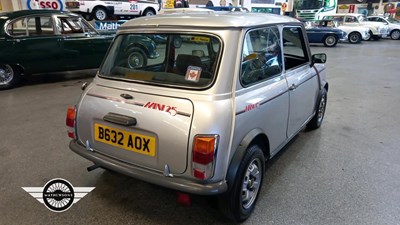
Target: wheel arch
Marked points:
147	9
330	34
141	47
256	136
109	9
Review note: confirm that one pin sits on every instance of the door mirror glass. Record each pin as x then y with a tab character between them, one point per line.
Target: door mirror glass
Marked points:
318	58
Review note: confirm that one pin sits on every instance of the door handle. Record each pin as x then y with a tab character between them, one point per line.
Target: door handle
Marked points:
292	87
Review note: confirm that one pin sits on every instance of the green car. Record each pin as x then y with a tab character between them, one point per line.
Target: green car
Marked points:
41	41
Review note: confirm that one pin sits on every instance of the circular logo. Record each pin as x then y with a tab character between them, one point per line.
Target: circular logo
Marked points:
45	4
58	195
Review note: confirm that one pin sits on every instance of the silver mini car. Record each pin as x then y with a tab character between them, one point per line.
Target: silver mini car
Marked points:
226	93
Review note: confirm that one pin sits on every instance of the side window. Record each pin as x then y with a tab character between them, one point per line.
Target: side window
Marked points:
294	49
72	25
17	28
31	26
373	19
350	19
40	26
261	56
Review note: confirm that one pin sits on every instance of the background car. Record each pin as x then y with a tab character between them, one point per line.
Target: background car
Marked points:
102	10
329	36
394	25
355	34
41	41
377	29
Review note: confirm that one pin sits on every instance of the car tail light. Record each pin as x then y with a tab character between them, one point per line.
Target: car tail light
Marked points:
70	121
204	152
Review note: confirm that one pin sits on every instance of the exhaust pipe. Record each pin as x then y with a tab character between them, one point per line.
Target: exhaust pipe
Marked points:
92	167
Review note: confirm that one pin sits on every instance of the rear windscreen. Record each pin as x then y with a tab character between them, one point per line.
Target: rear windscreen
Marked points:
163	59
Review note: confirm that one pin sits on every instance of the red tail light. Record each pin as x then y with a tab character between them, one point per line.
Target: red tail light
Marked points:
70	121
204	151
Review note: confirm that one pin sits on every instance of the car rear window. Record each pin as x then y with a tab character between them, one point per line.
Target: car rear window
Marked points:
186	60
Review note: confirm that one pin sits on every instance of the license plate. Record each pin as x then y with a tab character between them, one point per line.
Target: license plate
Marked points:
130	141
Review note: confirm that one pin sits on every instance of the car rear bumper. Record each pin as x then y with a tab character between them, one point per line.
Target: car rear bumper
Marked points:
176	183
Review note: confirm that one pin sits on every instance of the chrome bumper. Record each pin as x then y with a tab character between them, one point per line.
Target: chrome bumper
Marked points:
176	183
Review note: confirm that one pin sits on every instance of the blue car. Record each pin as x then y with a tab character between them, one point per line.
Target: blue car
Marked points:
329	36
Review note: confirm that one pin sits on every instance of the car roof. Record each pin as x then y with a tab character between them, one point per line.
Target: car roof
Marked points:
208	19
16	14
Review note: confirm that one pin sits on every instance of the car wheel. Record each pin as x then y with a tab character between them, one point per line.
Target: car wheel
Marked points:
354	37
100	13
9	76
330	41
371	36
316	121
89	17
149	12
136	58
395	34
239	202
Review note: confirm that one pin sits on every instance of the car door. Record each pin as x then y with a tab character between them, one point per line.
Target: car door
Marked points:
262	100
35	45
302	79
126	7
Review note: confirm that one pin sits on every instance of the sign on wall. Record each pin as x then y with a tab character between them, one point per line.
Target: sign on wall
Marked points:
45	4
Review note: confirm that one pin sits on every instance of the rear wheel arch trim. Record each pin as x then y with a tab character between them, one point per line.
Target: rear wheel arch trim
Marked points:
255	136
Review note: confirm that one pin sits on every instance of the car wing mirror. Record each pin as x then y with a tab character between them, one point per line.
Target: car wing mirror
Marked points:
318	58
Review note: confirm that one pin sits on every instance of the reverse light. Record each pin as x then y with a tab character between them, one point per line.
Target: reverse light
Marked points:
204	152
70	121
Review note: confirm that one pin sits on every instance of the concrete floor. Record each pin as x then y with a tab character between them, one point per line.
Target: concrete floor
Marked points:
347	172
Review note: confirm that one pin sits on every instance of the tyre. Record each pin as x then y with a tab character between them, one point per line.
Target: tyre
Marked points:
239	201
330	40
100	13
354	37
371	36
149	12
89	17
316	121
9	76
395	34
136	58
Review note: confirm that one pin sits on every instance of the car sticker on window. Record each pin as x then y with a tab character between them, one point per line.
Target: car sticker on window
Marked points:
200	39
193	73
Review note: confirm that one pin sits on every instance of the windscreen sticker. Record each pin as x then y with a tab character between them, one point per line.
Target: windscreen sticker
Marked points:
200	39
193	73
